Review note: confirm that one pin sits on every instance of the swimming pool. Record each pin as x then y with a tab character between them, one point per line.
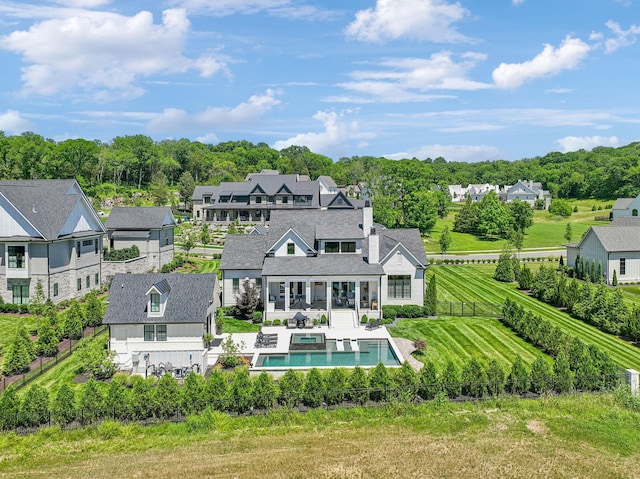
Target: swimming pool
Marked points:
365	352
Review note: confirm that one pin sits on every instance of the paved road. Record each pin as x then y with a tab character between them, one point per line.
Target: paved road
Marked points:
495	255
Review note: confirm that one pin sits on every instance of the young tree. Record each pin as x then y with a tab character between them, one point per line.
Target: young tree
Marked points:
451	382
290	386
495	378
379	383
474	379
186	187
117	403
614	280
358	385
568	233
445	240
188	241
466	221
216	390
516	238
35	407
525	278
193	397
265	391
91	402
405	382
37	303
541	376
9	409
518	382
205	235
336	384
431	297
63	410
20	353
314	388
167	396
47	342
94	310
562	377
74	321
428	384
241	391
142	398
504	269
247	300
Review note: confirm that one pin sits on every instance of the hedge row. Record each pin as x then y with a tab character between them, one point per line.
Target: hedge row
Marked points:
173	265
490	260
123	254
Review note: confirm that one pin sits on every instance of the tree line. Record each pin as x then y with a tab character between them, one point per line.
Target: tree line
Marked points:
129	398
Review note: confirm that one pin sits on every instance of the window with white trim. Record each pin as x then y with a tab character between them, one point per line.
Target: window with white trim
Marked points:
399	286
623	266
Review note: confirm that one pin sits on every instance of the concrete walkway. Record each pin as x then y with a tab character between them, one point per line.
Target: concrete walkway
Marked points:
406	348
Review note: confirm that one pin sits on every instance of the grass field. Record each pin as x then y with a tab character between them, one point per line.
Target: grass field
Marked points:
232	325
546	232
570	436
460	339
473	283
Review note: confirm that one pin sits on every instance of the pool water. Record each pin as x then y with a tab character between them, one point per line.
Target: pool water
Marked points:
372	351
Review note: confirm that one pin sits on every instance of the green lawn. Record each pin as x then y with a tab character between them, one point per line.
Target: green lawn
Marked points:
460	339
546	231
232	325
471	283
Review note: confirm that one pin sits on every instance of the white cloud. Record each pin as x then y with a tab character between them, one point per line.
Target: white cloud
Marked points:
429	20
337	131
623	38
550	62
517	2
103	54
276	8
466	153
208	138
399	80
246	113
573	143
83	3
11	121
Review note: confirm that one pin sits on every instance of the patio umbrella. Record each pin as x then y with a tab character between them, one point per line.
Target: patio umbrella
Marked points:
300	317
300	304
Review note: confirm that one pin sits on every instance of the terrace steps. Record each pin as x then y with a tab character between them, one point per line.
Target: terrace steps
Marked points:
343	319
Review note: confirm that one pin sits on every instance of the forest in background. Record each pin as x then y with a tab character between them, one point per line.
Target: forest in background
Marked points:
405	192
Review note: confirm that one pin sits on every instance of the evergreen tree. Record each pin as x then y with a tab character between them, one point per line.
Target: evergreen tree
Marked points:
405	382
216	390
358	385
614	281
9	409
63	410
587	377
314	388
599	273
205	235
562	376
186	187
518	382
336	384
451	382
142	398
431	297
495	378
541	376
117	403
193	396
379	383
37	303
20	353
593	272
568	233
247	300
525	278
466	221
265	391
575	353
34	410
290	386
474	379
241	391
504	269
91	402
429	386
167	396
47	342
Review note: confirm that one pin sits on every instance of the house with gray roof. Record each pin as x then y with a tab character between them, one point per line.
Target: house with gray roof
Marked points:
49	233
624	207
334	262
529	192
253	200
615	247
149	228
160	319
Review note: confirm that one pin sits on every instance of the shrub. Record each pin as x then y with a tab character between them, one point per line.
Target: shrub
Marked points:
364	319
257	317
267	322
420	344
323	319
389	311
411	311
123	254
276	322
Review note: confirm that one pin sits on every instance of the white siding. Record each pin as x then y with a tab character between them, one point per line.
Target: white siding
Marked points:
280	248
228	296
632	266
407	266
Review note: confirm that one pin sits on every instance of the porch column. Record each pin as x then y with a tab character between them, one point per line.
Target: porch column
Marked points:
287	293
329	301
357	295
308	291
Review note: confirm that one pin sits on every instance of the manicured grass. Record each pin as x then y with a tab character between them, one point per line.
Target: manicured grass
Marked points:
232	325
470	283
460	339
569	436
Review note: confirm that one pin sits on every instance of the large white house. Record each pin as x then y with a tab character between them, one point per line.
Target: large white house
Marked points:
49	233
336	263
161	318
615	247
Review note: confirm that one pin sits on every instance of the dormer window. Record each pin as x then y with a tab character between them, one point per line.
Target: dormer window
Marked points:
155	303
291	248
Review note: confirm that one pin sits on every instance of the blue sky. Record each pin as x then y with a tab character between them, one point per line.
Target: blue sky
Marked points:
470	80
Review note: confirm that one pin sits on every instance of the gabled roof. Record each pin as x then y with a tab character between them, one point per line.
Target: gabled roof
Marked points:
293	231
622	203
615	238
188	300
139	218
408	237
520	188
202	190
244	251
625	221
328	181
48	206
326	264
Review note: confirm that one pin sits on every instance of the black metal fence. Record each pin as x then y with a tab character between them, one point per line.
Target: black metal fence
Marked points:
42	365
468	308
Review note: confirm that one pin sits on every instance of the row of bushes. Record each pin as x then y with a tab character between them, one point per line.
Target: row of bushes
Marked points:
14	308
490	260
584	360
599	305
176	263
392	311
123	254
134	398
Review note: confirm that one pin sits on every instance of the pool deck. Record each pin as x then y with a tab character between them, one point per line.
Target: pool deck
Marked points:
284	338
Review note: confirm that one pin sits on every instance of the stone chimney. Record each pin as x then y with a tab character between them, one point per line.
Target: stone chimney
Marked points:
374	247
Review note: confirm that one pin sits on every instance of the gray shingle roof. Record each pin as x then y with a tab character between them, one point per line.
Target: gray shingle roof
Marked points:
622	203
139	218
187	301
410	239
47	204
618	238
244	251
625	221
326	264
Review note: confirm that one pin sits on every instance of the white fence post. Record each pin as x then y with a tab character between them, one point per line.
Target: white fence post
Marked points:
632	380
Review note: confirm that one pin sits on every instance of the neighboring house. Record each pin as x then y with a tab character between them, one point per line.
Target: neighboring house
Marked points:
477	192
625	207
50	233
332	262
457	193
161	318
615	247
148	228
253	200
529	192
